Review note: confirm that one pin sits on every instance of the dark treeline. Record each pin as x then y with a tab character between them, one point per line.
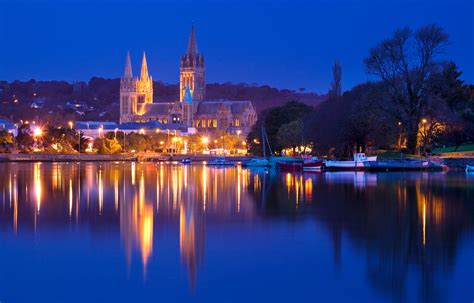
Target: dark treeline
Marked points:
415	103
57	102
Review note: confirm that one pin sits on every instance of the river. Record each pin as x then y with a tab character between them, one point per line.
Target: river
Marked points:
135	232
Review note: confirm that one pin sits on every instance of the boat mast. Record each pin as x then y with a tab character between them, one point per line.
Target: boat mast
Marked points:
263	142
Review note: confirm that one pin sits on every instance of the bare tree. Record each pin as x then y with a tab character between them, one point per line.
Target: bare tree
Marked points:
336	85
405	63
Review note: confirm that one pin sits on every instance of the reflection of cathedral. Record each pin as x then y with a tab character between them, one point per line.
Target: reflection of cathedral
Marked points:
192	109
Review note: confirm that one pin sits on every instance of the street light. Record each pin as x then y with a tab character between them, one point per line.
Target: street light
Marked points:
100	131
157	130
115	133
37	132
70	124
141	131
423	121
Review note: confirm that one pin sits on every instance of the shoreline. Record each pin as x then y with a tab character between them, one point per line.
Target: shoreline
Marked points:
108	158
453	163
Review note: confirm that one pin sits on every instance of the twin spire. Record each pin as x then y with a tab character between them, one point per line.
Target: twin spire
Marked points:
128	68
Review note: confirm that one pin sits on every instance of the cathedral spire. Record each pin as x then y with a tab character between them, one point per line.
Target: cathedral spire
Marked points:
128	68
144	72
192	45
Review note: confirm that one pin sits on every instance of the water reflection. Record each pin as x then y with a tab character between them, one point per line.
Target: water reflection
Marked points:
408	226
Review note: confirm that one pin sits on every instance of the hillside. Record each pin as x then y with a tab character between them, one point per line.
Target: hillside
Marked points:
59	101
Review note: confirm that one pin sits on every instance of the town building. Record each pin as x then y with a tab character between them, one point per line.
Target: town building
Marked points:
192	111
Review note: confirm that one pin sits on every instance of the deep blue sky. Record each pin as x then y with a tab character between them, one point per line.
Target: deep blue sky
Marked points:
287	44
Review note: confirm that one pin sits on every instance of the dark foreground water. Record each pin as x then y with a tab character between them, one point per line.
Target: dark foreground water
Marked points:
169	233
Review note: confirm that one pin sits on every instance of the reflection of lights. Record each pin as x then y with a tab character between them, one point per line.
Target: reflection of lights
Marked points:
204	187
424	223
116	189
70	197
15	204
308	189
101	192
133	173
37	185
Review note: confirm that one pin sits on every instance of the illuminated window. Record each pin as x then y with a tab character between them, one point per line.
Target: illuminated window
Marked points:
214	123
203	123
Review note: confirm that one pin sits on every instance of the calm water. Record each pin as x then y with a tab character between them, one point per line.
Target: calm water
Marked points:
133	232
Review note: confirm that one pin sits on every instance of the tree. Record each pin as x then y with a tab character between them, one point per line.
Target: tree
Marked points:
108	146
291	134
6	140
404	63
336	84
272	120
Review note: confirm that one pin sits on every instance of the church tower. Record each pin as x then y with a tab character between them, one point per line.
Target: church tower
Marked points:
144	86
192	70
134	92
127	92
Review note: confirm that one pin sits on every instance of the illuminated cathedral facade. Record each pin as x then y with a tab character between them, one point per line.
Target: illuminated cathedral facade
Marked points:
192	110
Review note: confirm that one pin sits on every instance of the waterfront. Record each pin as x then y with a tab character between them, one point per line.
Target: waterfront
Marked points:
155	231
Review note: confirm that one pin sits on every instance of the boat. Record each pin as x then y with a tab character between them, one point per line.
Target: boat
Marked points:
358	163
265	161
469	168
256	162
220	161
313	165
290	166
186	161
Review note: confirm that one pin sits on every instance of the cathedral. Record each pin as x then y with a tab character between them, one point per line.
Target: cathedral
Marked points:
193	112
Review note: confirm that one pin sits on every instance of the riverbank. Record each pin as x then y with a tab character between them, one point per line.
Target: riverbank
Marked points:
453	163
104	158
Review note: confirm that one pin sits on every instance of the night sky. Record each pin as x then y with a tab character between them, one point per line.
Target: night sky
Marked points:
286	44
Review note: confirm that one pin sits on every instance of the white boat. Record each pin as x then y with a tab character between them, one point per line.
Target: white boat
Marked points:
220	161
469	168
358	162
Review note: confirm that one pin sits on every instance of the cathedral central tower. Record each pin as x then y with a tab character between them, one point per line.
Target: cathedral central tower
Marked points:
192	70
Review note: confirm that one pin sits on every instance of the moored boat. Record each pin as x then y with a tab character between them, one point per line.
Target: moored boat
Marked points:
360	159
469	168
290	166
256	162
186	161
220	161
313	165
